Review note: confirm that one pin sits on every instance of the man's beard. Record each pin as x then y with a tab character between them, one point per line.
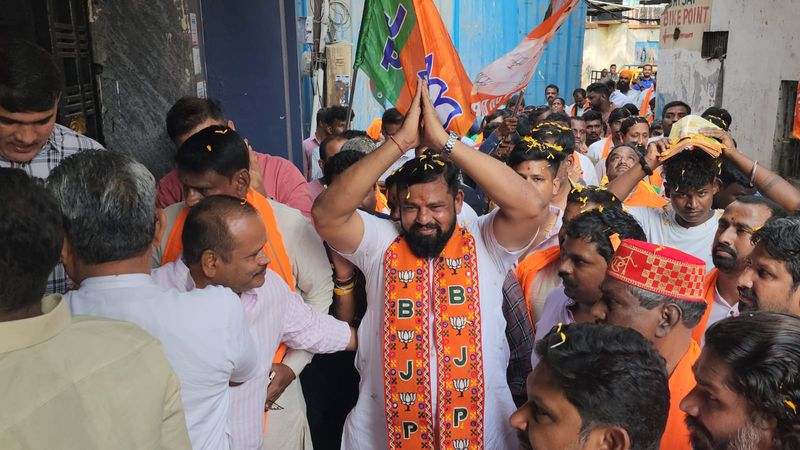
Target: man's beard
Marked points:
724	264
428	246
746	438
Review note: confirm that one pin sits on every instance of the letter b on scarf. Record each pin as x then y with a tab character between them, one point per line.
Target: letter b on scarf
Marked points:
405	309
456	295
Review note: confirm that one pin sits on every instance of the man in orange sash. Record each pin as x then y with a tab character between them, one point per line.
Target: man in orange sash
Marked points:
658	291
538	272
434	354
732	246
746	396
215	161
589	243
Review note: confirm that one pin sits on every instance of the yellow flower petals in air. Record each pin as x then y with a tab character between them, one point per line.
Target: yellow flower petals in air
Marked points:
208	147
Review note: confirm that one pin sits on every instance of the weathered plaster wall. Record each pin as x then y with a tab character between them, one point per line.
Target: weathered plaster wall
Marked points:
762	51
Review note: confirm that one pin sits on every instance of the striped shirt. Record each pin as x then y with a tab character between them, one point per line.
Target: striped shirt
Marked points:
62	142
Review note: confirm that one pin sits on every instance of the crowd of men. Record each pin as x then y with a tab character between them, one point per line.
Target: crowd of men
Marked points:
563	278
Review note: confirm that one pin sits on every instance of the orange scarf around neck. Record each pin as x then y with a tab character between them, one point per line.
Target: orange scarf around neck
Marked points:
443	290
527	270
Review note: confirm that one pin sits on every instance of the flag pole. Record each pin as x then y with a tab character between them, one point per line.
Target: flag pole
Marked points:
352	93
516	113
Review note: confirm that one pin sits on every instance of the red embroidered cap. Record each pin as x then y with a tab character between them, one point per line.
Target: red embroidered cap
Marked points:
658	269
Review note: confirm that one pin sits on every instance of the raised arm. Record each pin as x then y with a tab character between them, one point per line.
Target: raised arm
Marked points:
624	184
334	211
768	183
522	211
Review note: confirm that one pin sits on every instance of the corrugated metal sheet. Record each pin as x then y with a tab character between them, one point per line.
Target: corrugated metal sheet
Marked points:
488	29
483	30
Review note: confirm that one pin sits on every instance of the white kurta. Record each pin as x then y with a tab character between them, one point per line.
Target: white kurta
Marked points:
365	428
661	228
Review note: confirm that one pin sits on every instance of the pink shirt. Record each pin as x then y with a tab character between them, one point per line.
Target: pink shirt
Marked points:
309	145
315	188
274	314
282	182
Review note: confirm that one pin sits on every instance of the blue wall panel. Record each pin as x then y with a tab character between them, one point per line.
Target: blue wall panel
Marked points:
488	29
258	87
482	31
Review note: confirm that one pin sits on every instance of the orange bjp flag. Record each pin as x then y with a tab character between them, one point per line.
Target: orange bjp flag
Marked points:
402	40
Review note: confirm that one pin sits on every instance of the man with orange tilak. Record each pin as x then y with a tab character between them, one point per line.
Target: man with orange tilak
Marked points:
433	329
215	161
658	291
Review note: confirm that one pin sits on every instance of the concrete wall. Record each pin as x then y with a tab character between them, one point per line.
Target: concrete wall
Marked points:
763	49
143	50
607	43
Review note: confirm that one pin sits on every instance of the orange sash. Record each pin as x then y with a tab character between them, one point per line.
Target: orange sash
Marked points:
381	204
644	110
606	148
374	130
710	289
574	108
274	249
645	195
445	288
655	179
576	162
527	270
676	434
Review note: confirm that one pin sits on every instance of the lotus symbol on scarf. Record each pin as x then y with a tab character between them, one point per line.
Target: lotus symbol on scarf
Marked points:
453	263
405	336
406	276
458	322
408	399
460	444
461	385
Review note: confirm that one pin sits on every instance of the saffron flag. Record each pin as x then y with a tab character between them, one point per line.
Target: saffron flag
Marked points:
510	73
401	40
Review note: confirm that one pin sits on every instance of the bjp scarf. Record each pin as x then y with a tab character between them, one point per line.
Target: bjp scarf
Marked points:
447	287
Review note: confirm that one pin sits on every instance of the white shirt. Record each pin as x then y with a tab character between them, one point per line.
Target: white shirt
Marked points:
466	215
578	111
595	151
556	310
365	428
204	336
589	174
406	157
274	314
661	228
619	99
720	309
